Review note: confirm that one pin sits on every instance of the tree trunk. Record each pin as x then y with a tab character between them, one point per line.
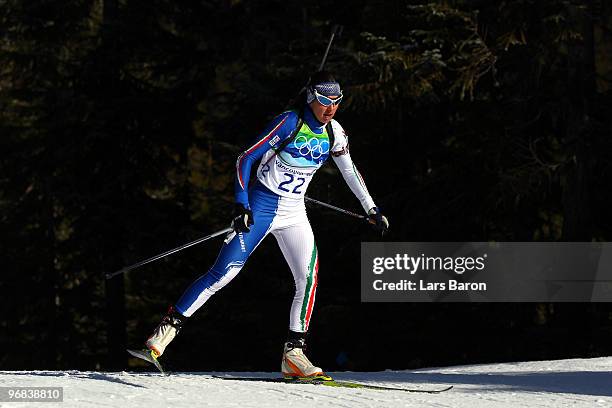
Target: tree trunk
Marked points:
581	86
115	299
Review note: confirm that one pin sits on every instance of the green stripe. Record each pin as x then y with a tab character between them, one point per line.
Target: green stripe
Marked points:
313	260
358	178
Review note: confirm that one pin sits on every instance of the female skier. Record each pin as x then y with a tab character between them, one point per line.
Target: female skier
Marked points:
291	149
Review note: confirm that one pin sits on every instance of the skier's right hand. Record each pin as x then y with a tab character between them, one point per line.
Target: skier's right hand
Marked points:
243	219
378	221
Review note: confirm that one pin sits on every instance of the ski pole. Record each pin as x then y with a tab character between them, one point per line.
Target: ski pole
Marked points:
336	30
156	257
343	211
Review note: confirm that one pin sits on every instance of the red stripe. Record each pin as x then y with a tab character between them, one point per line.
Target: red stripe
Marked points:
268	136
362	182
312	293
239	172
239	164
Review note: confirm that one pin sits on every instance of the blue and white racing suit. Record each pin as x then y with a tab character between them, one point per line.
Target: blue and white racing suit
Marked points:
277	202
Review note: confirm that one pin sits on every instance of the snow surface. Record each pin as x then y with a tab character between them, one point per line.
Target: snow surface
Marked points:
562	383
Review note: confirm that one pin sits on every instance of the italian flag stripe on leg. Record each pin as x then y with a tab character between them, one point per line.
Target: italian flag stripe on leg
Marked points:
311	288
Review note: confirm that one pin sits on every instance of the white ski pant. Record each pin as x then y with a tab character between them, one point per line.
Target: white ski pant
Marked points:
286	219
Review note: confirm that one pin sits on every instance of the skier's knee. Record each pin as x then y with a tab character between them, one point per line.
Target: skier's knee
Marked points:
215	275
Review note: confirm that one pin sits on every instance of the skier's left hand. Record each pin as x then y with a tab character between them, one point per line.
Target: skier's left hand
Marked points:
243	219
378	220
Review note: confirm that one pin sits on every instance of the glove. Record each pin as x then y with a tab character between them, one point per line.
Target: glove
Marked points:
378	220
243	219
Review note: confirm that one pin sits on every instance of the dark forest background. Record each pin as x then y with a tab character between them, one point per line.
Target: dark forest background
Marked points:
120	123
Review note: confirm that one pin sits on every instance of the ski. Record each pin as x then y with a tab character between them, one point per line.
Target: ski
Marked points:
334	383
147	355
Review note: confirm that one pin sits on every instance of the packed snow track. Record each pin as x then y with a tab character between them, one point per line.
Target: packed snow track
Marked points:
576	383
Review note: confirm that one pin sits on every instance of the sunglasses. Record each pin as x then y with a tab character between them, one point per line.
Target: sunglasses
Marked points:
325	101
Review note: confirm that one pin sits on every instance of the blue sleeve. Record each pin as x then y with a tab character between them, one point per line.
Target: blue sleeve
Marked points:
278	129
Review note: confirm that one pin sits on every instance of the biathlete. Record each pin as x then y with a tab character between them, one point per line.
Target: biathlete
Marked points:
289	156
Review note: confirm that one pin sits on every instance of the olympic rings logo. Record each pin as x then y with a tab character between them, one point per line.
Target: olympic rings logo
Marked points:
313	147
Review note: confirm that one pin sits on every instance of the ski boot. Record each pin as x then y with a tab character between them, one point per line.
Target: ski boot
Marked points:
165	332
295	364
